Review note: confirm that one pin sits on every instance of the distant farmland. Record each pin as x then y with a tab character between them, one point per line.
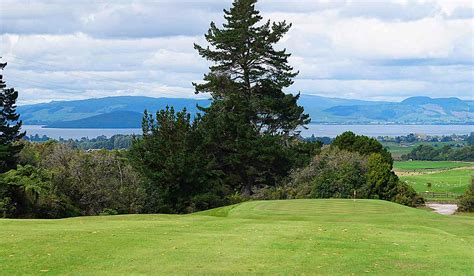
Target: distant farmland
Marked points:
449	177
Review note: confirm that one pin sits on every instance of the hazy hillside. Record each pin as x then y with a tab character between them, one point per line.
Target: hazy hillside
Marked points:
125	112
115	119
47	113
411	110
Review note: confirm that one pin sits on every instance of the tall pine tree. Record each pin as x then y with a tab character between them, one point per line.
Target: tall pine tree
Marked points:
249	74
10	126
250	118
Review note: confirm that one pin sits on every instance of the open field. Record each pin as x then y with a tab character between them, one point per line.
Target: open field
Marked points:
422	166
453	181
445	177
397	150
293	236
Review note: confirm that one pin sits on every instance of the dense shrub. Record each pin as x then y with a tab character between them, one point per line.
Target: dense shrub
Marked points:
203	163
363	145
29	192
381	180
336	173
446	153
332	173
181	177
54	181
280	192
101	180
466	201
406	195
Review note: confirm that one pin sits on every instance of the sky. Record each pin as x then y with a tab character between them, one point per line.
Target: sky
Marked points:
359	49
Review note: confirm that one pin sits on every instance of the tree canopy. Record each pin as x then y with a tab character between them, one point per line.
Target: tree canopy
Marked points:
248	74
10	125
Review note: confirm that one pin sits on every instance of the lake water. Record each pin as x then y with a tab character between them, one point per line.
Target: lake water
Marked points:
73	133
317	130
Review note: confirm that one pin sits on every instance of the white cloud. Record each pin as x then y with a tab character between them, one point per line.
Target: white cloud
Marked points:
359	49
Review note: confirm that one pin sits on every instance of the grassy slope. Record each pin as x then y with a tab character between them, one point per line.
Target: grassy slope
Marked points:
454	181
444	176
294	236
429	165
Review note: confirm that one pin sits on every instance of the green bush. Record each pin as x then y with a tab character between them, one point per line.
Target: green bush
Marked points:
206	201
275	193
333	173
336	173
7	208
54	181
381	180
108	212
338	182
406	195
363	145
29	192
466	201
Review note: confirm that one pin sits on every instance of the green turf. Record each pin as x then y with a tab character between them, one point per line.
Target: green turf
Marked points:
398	149
453	181
275	237
429	165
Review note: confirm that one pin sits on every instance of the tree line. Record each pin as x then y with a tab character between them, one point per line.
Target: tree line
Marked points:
412	138
445	153
244	146
54	180
118	141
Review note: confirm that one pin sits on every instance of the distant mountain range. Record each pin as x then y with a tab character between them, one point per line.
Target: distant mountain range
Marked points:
126	111
114	119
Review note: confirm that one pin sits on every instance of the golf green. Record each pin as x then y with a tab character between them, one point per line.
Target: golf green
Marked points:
287	237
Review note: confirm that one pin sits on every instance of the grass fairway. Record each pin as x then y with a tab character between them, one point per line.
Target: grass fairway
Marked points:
421	166
454	181
294	236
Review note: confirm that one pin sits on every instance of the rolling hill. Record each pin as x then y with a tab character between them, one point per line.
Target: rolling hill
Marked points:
115	119
63	111
260	237
101	112
411	110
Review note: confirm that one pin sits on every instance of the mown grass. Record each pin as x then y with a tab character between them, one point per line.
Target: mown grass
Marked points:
453	181
284	237
421	166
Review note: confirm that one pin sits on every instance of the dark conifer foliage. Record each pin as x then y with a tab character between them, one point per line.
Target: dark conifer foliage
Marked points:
362	144
10	125
180	177
251	120
248	69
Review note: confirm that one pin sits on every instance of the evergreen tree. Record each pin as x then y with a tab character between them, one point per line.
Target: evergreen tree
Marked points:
251	118
363	145
249	75
180	177
9	126
382	182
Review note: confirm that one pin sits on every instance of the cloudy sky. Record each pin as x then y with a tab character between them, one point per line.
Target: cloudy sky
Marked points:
375	50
